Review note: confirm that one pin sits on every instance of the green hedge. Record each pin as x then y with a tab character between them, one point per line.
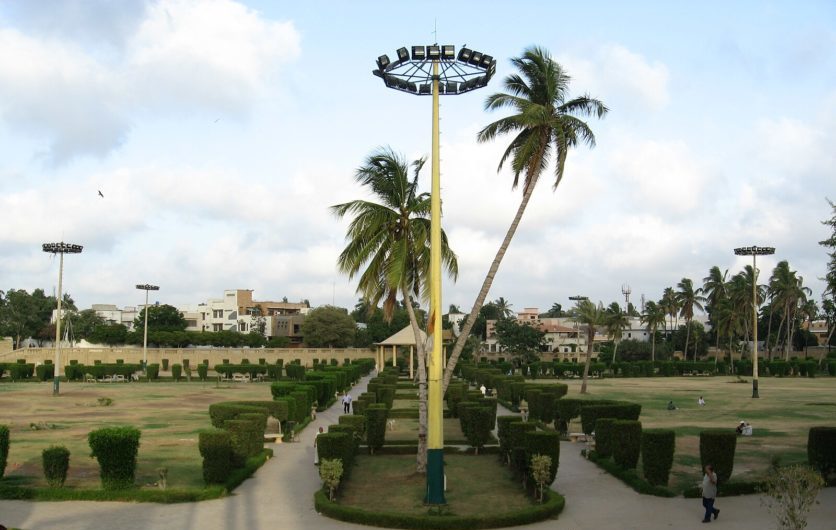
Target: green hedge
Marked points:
629	477
565	410
115	448
202	372
821	450
619	410
252	369
357	422
717	448
376	416
546	443
221	412
56	462
551	506
504	434
215	447
282	388
658	447
604	437
243	434
339	445
153	371
45	372
627	438
4	448
176	371
480	423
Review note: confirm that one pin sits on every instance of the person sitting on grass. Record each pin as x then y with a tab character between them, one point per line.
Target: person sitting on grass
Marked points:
671	406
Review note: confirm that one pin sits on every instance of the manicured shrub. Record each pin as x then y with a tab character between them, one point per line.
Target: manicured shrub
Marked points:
165	365
821	450
386	395
242	434
223	411
256	441
376	415
545	443
281	388
202	372
153	371
566	409
455	393
604	437
56	462
464	417
516	435
627	439
504	434
176	371
115	448
480	422
717	448
303	404
657	455
620	410
357	422
4	448
339	445
532	396
44	372
215	447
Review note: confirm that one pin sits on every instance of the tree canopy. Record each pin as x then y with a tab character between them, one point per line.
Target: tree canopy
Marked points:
328	326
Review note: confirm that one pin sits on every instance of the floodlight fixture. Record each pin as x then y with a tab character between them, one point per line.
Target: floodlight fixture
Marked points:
419	53
448	52
413	69
59	248
383	62
433	52
403	55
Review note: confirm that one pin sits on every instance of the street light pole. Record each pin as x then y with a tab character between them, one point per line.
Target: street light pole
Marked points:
435	70
61	249
146	287
754	251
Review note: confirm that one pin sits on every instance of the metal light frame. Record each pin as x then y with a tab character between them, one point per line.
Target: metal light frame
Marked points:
60	248
435	70
146	287
754	251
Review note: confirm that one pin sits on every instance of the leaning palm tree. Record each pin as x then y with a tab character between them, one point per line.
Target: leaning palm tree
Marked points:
592	317
616	324
546	124
652	317
689	298
389	248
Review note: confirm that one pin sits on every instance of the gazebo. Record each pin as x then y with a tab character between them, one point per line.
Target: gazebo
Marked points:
404	337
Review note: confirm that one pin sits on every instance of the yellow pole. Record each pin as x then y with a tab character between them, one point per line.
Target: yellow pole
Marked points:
410	362
394	354
56	372
435	423
754	327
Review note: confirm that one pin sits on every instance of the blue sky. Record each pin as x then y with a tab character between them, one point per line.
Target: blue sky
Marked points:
220	132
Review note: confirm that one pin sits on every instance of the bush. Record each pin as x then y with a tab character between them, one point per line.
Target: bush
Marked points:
220	413
480	422
545	443
717	448
242	434
215	447
821	450
336	445
357	422
658	446
153	371
627	437
165	365
604	437
176	371
115	448
45	372
619	410
56	462
4	448
376	415
504	434
331	472
566	409
281	388
202	372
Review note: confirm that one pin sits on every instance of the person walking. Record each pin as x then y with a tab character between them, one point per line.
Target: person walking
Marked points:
347	404
315	450
709	494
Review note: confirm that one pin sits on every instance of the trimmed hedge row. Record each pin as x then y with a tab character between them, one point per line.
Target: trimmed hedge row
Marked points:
717	448
626	446
619	410
376	415
337	445
215	447
115	448
4	448
821	450
56	462
658	447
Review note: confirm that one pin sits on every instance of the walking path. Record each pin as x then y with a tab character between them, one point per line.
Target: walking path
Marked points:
280	496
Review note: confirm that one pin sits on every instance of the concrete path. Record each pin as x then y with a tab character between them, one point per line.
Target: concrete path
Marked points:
280	496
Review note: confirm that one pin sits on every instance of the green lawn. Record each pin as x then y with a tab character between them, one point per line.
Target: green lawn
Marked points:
168	414
781	417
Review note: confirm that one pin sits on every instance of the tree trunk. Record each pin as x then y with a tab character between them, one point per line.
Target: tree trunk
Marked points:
768	335
590	337
615	349
486	285
653	346
421	458
688	338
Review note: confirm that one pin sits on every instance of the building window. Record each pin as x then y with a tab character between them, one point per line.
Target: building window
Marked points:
217	327
243	326
217	313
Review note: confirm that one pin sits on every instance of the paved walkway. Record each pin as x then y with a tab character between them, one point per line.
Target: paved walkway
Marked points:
280	496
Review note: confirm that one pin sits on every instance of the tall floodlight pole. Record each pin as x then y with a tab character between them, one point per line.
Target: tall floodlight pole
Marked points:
146	287
61	249
754	252
432	71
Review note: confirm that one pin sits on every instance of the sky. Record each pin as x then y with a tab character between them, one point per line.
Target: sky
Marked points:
220	132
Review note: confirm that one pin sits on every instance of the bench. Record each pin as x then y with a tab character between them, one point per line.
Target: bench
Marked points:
577	437
273	437
241	378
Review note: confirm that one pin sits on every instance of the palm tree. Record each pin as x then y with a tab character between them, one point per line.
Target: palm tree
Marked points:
788	291
688	300
389	241
616	323
714	287
593	317
670	305
545	123
504	307
653	317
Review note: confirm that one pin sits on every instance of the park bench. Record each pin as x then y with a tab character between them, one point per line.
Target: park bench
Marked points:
577	437
119	378
240	378
136	376
106	379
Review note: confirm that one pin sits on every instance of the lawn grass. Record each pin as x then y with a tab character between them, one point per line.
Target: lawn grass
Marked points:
477	485
169	415
781	417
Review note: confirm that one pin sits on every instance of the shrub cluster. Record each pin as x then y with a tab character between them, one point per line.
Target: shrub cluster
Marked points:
546	443
717	448
376	415
604	437
358	423
620	410
215	447
821	450
627	437
658	447
337	445
115	448
56	462
4	448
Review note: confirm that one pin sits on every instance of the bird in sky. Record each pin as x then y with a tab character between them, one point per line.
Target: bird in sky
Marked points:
217	120
101	194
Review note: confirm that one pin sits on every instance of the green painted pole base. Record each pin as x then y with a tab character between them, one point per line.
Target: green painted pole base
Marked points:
56	383
755	388
435	477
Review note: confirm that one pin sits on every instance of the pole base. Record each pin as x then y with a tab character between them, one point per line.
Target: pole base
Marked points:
435	477
755	388
56	384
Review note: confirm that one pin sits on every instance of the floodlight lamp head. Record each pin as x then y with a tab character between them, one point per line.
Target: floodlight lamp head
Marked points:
464	55
448	52
433	52
403	54
382	62
419	53
62	248
148	287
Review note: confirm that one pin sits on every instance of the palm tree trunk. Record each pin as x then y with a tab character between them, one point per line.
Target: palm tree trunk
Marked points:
590	337
486	285
780	327
615	350
653	346
769	334
688	338
421	458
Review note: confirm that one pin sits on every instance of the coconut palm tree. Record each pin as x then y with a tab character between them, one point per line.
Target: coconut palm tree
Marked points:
688	298
670	305
504	307
592	317
389	248
546	124
714	287
652	317
789	293
616	323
